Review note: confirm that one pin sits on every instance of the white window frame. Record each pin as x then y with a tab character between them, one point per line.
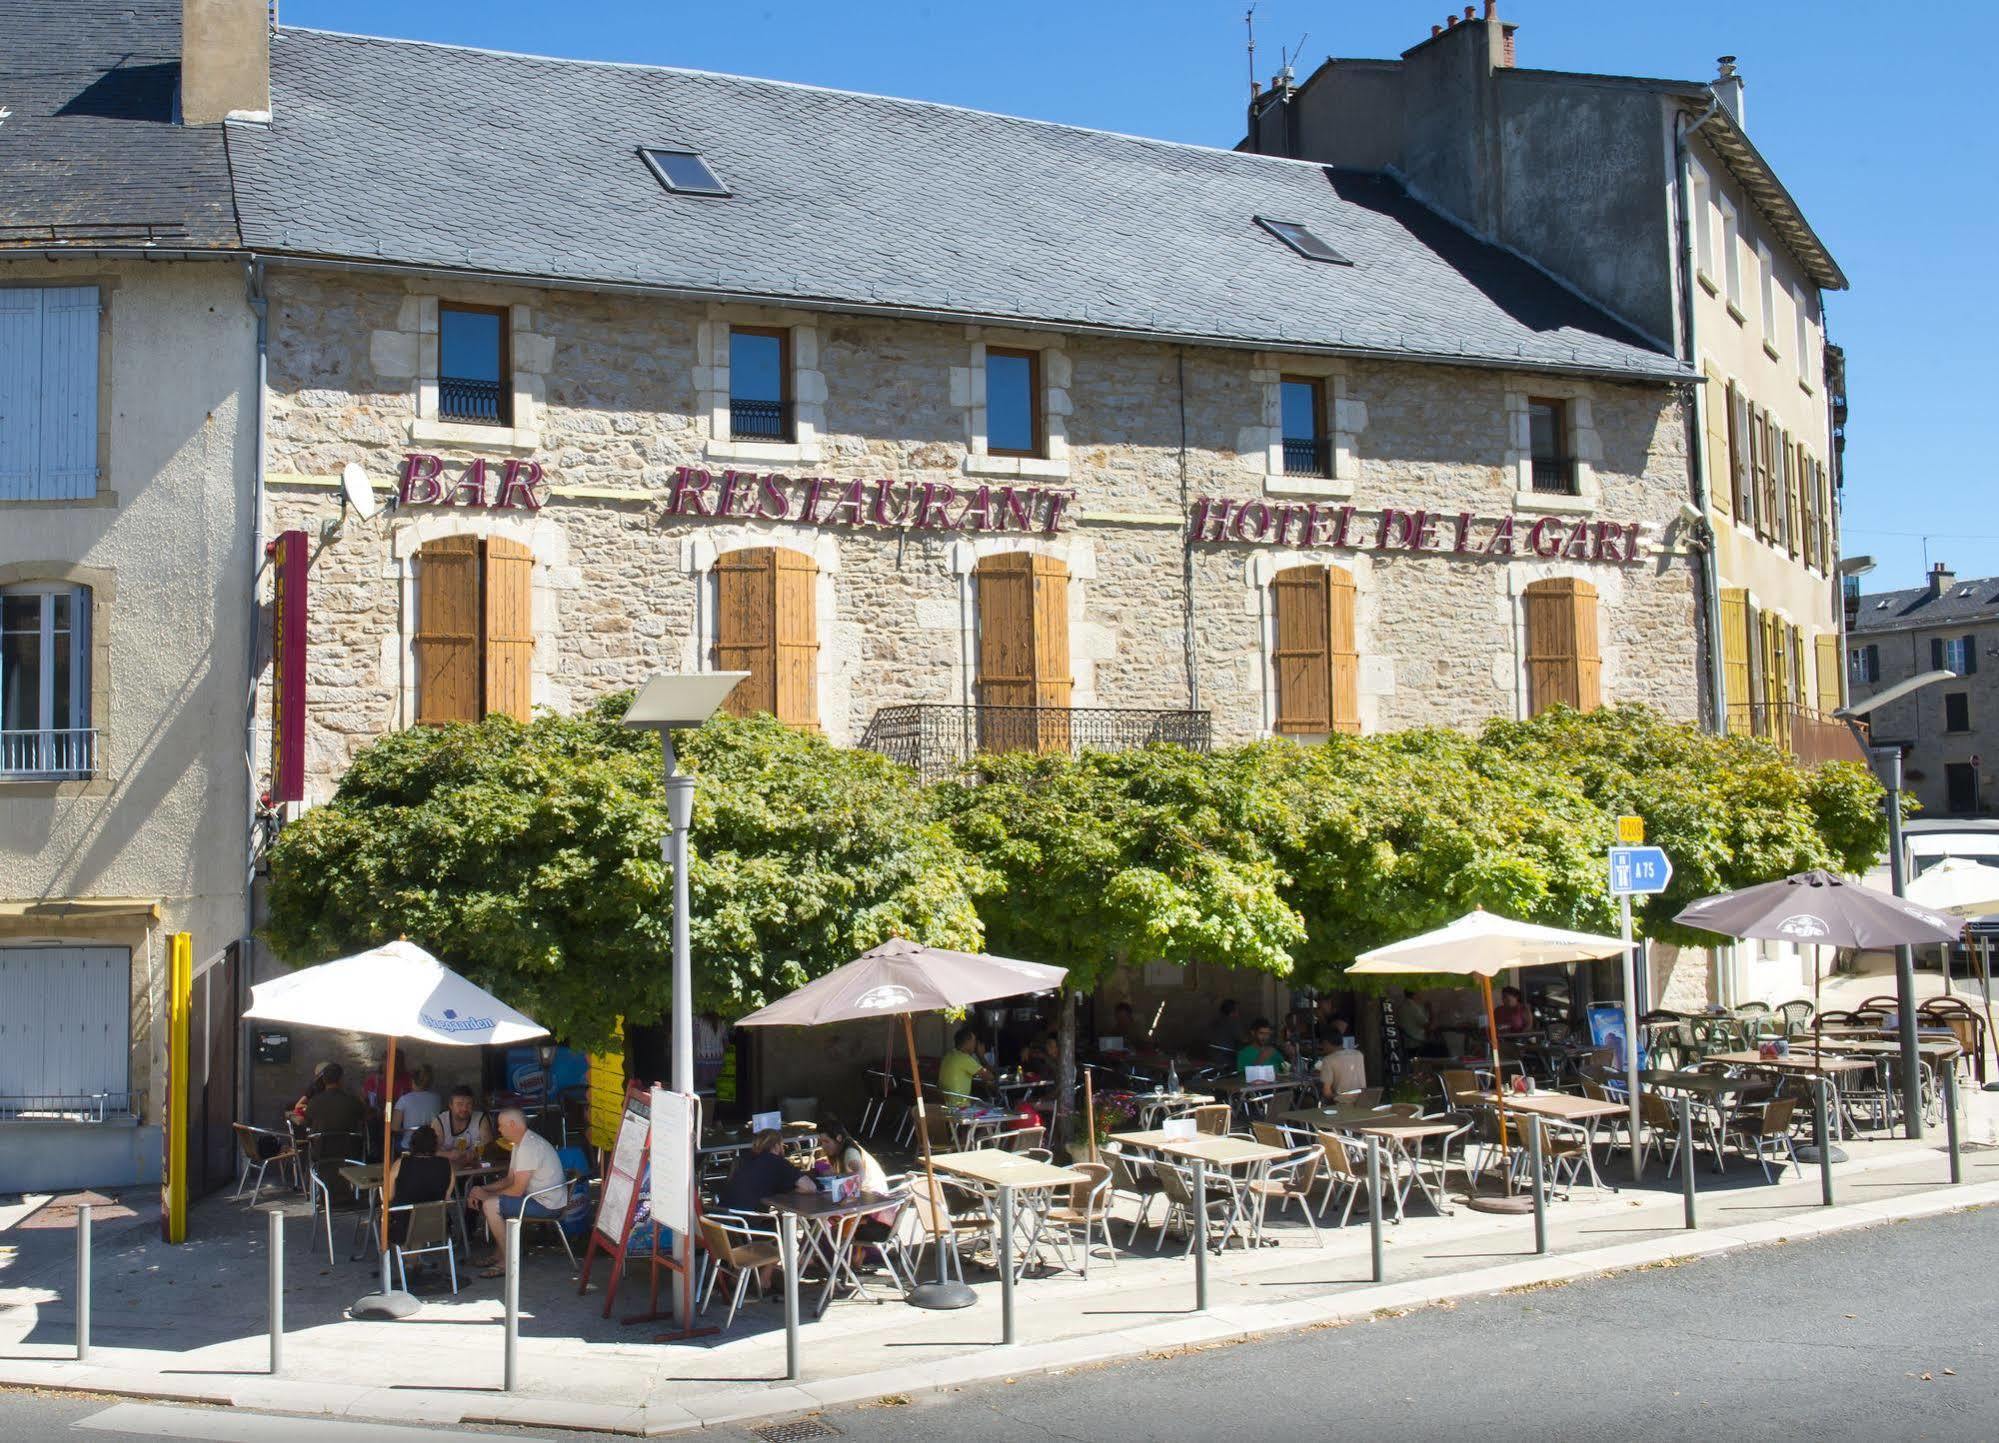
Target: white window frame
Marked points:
1701	219
1766	285
1582	441
413	351
33	739
968	394
1955	651
1731	258
1802	318
1344	421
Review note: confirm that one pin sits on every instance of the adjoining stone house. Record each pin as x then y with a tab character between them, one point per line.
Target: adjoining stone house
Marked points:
127	548
951	428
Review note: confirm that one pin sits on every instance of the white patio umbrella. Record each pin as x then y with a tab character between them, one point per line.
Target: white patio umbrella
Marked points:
397	991
1965	888
1482	944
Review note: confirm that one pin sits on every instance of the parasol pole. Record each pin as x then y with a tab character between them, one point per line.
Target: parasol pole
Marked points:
1498	1077
388	1124
923	1136
1090	1114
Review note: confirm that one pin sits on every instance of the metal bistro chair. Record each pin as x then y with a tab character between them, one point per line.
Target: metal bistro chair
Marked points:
566	1189
1659	1123
1211	1119
1342	1175
735	1244
285	1158
429	1232
1177	1183
1288	1180
1087	1212
1133	1179
1759	1132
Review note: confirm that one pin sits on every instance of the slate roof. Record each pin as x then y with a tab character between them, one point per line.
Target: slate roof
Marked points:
1962	601
400	151
90	152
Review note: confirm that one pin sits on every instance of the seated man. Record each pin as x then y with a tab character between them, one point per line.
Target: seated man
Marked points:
463	1132
1124	1024
960	1068
533	1169
336	1114
1258	1051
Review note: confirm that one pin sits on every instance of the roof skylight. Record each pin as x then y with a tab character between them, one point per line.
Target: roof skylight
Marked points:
683	171
1302	239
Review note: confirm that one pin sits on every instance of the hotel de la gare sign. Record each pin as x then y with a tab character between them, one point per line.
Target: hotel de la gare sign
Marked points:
886	504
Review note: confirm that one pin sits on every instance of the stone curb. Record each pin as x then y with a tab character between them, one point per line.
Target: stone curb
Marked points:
1222	1325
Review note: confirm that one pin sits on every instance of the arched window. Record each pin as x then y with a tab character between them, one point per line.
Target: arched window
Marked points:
1313	653
474	629
45	723
1564	664
766	623
1024	677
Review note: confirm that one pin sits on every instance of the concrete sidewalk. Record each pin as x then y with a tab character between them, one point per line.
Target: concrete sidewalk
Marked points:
188	1322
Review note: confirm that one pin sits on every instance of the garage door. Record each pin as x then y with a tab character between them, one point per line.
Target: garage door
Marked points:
65	1027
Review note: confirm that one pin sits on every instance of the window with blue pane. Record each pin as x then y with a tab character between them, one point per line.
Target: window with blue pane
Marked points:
474	374
1013	402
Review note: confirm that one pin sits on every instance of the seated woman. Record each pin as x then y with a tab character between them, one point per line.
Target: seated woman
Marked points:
1512	1014
419	1176
762	1172
841	1152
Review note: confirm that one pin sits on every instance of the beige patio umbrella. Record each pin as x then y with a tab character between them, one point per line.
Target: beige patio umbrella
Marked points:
1965	888
1482	944
904	977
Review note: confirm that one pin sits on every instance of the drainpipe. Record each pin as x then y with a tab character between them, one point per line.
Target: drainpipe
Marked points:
260	308
1709	571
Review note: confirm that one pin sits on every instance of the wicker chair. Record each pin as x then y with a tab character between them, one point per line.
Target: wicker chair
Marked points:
1288	1180
1087	1211
1762	1130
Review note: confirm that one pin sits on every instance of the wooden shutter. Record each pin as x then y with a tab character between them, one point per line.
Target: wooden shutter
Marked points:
1735	668
1720	487
1936	653
1738	456
795	641
1024	652
1344	651
746	627
1564	665
1794	639
448	674
1829	673
509	630
68	461
1301	653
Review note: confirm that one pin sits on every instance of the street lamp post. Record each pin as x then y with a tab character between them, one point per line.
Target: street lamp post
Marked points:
1890	759
668	704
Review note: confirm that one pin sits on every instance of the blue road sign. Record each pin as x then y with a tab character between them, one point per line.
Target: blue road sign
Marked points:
1638	871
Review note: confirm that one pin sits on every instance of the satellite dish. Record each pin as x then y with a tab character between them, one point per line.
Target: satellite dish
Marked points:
357	491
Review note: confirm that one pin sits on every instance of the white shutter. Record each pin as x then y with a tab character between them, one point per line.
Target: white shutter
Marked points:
65	1021
20	392
69	393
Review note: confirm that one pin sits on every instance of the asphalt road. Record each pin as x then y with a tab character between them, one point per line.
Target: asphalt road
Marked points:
1882	1334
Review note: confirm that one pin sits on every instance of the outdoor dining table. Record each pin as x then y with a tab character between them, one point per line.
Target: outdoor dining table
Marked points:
1226	1153
1149	1105
1586	1112
1834	1069
1402	1139
1240	1092
820	1236
1712	1089
1030	1179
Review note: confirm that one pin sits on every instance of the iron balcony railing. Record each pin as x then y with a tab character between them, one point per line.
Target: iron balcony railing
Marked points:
66	1107
759	420
478	401
1308	456
1555	475
1810	737
934	739
60	752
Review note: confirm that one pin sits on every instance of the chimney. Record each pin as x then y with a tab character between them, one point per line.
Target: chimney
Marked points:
1727	88
225	61
1941	580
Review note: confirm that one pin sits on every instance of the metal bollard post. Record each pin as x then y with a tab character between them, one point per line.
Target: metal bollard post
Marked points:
787	1243
1200	1236
1950	1119
1821	1140
513	1303
82	1282
1540	1186
1006	1262
277	1288
1687	1161
1374	1205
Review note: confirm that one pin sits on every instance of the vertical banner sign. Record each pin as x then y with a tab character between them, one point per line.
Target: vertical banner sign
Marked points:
288	572
1394	1061
173	1137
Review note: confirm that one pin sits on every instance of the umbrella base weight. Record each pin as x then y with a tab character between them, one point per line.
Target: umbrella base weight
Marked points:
1810	1153
1500	1203
941	1296
392	1305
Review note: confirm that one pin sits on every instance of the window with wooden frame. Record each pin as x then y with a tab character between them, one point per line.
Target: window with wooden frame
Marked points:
760	384
475	374
1023	652
1313	655
474	640
1554	468
1564	662
1308	449
766	623
1013	403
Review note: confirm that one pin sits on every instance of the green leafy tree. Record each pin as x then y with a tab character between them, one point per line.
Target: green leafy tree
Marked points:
1109	859
528	857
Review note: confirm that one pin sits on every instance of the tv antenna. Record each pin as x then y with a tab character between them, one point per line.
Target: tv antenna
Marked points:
1249	24
1287	62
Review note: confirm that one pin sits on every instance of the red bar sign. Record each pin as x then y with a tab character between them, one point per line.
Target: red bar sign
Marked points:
288	571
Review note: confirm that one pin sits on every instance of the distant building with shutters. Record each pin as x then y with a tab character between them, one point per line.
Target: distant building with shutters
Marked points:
1948	732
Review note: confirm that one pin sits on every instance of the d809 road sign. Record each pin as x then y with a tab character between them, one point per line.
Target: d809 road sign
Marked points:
1638	871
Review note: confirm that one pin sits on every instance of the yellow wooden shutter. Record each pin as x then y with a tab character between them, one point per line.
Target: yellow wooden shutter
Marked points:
1343	650
448	680
746	628
1720	483
1735	668
509	628
1053	683
1564	664
1300	654
1795	640
1024	652
1831	674
795	642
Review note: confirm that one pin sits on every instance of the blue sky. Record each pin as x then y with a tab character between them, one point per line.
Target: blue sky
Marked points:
1874	116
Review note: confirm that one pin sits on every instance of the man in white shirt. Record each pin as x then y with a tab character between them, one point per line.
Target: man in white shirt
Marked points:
535	1167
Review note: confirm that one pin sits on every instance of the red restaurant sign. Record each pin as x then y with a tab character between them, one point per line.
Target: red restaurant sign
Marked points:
501	486
883	503
288	570
1309	524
